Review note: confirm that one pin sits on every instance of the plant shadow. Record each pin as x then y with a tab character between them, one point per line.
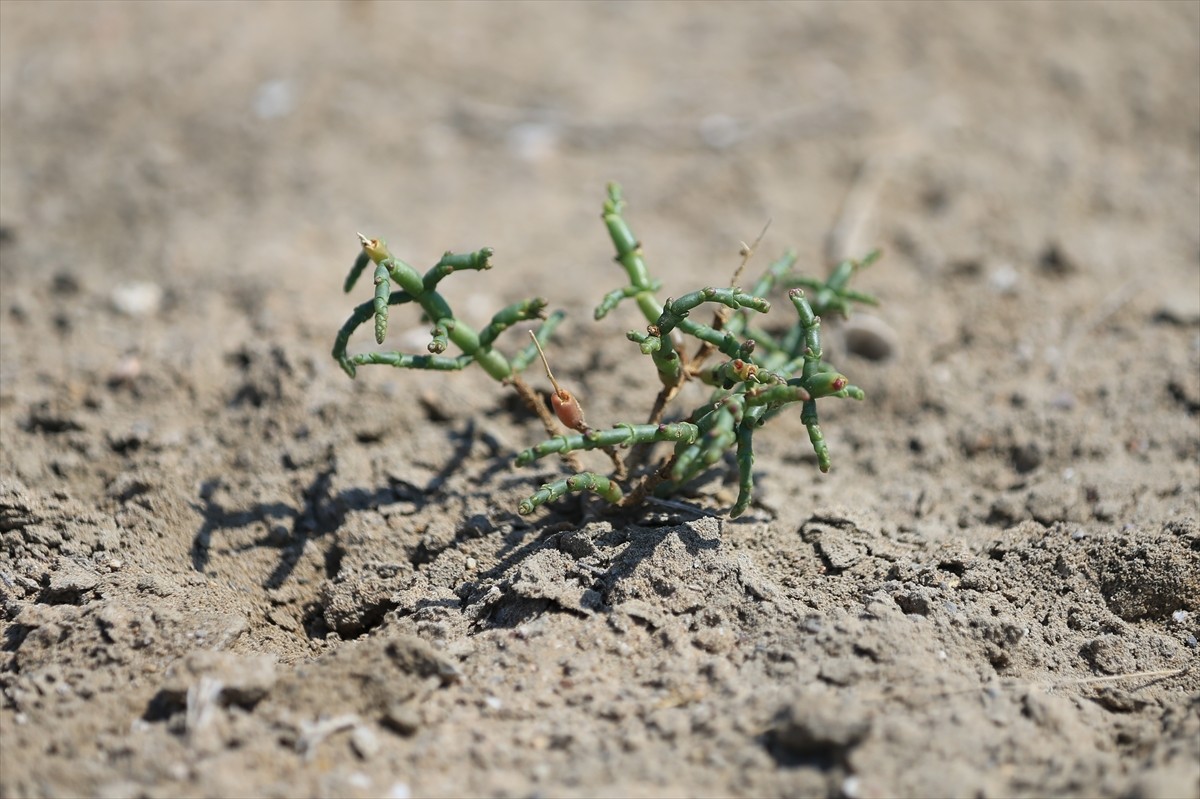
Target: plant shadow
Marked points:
321	512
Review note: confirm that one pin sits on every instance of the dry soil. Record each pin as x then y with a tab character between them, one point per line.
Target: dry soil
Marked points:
227	569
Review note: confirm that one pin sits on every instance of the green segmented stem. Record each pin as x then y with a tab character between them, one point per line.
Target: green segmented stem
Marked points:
361	314
492	362
415	287
831	295
614	297
509	316
809	417
441	331
454	262
727	343
674	314
739	370
360	264
402	273
629	255
437	363
621	434
825	384
584	481
777	395
851	392
383	290
745	461
675	311
648	343
810	325
717	427
666	358
775	272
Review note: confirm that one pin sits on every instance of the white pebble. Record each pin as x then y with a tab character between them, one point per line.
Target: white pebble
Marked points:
533	141
1004	279
274	99
137	298
364	741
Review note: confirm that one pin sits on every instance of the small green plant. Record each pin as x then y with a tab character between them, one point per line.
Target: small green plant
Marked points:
754	374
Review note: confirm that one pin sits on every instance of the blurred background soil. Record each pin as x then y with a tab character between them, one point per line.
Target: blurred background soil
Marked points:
227	569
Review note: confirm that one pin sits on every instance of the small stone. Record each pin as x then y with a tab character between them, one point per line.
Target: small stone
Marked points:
402	718
364	742
137	298
533	141
274	99
126	371
1004	280
1179	308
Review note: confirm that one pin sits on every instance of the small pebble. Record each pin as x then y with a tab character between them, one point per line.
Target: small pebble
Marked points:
403	718
126	371
364	742
137	298
274	99
1004	280
533	141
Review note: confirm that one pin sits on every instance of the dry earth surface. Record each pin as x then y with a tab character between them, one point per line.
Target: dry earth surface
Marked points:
227	569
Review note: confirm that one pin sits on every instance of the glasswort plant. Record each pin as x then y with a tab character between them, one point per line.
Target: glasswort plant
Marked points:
754	374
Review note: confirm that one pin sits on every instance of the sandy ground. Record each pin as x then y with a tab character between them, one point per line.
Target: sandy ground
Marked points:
227	569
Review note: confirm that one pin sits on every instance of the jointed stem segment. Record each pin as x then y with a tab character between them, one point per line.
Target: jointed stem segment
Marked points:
756	375
584	481
832	295
629	255
599	439
447	328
